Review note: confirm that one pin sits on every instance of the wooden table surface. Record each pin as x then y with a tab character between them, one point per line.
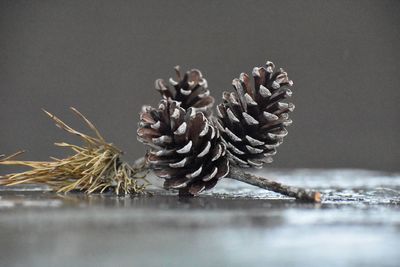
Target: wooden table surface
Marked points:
357	224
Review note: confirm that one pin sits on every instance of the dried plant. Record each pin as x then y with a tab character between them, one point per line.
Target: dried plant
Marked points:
95	167
190	149
187	146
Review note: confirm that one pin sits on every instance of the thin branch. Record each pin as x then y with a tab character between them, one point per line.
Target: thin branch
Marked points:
89	123
4	158
291	191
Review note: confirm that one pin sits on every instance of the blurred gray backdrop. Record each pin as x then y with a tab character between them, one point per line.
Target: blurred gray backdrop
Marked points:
102	57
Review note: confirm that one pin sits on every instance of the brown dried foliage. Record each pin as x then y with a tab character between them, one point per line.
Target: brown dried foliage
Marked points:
95	166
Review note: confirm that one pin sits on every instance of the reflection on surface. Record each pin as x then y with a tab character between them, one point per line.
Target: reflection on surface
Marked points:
358	224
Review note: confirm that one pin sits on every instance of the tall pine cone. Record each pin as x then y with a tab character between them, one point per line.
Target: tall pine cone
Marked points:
191	90
253	121
185	148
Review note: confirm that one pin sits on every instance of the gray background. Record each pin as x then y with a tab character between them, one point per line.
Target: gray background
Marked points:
103	57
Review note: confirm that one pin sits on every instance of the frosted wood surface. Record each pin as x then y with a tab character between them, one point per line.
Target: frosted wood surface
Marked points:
358	224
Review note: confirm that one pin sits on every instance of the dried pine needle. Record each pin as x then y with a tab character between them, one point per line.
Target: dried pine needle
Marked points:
95	167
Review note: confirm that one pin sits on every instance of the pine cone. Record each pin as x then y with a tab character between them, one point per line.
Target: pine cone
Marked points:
191	90
253	122
185	148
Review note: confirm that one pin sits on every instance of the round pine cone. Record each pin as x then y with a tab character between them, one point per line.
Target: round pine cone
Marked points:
191	90
185	148
253	121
